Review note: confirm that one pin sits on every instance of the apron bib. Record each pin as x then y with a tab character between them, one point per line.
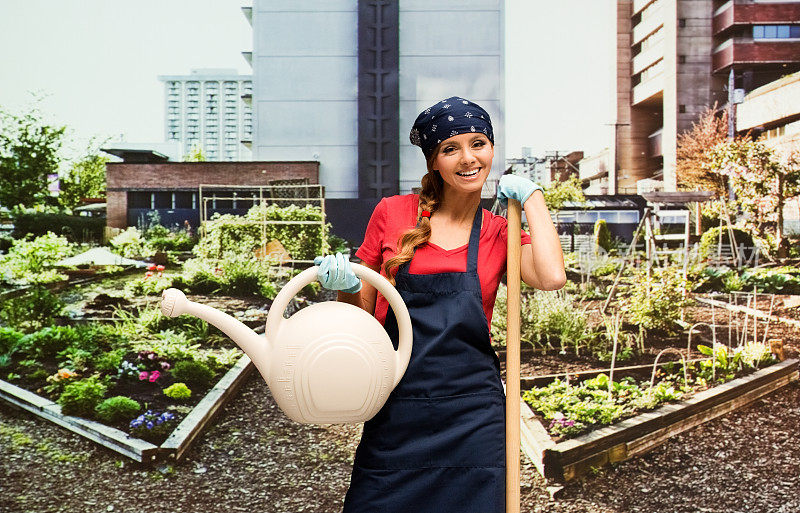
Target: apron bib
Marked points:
438	444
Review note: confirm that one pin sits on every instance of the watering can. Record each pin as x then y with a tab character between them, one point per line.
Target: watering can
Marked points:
330	362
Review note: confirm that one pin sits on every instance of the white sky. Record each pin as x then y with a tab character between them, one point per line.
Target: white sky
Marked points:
96	63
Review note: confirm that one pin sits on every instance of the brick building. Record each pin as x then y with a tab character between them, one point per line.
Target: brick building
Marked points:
675	58
172	188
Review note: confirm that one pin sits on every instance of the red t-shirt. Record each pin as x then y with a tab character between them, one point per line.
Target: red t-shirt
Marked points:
395	215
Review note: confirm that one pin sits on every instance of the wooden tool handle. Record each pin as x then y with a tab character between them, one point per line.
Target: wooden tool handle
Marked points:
512	356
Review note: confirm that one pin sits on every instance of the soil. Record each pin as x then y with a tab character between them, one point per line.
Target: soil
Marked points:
252	458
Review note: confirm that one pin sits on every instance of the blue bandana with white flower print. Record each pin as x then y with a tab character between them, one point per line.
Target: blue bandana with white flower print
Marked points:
449	117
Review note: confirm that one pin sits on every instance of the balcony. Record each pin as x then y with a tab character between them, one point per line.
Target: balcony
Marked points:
746	52
733	14
649	91
648	57
248	13
648	25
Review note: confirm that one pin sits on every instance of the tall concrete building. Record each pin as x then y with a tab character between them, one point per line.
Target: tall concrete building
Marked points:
209	109
342	81
676	58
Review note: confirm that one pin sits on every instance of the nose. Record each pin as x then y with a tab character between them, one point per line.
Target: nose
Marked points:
467	156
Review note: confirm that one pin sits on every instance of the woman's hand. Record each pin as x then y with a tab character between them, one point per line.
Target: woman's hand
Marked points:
515	187
335	273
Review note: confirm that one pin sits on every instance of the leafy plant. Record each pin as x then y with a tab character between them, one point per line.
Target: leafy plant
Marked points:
193	373
178	391
117	408
48	342
550	316
131	244
28	261
82	397
655	301
32	311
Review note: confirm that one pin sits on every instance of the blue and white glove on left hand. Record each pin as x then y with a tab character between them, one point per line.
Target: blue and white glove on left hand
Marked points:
335	273
515	187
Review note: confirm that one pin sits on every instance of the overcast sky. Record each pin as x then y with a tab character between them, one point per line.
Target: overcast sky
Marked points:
96	63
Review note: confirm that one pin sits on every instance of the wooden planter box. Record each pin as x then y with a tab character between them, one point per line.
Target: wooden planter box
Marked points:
175	445
570	459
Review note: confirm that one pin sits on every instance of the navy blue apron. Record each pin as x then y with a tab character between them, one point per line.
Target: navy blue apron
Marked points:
438	444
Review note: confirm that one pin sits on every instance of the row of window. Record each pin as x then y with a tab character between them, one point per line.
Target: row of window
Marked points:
173	200
776	31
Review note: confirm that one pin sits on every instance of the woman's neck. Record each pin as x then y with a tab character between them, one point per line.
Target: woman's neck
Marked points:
459	208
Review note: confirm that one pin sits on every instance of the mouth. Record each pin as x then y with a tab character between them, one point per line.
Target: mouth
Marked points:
470	173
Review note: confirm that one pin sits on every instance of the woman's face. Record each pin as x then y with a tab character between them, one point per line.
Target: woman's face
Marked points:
464	161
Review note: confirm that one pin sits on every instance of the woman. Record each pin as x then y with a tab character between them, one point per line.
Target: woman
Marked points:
438	445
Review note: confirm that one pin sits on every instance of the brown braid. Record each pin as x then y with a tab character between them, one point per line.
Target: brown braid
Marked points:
430	197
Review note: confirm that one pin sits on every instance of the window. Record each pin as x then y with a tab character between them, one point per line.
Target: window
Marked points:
776	31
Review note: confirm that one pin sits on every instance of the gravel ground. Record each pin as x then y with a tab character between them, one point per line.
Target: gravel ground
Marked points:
254	459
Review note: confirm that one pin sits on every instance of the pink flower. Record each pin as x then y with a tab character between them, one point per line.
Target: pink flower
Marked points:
165	365
154	376
142	376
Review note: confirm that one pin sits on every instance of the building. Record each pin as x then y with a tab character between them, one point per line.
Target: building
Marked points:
173	189
341	82
209	109
593	172
676	58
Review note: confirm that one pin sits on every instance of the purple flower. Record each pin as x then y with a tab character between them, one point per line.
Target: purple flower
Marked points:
150	424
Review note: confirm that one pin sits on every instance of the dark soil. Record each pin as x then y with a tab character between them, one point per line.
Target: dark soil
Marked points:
252	458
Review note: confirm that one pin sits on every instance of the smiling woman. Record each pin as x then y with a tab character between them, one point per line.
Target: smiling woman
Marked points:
438	444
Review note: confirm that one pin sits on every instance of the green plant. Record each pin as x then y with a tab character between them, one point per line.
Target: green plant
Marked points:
9	341
710	240
152	426
148	285
81	397
48	342
784	280
32	311
602	236
178	391
655	301
131	244
28	261
109	361
193	373
118	408
548	317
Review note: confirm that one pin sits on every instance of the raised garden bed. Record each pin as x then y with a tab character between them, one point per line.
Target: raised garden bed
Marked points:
570	459
117	440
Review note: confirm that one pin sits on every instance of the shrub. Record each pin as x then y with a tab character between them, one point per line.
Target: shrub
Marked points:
655	301
710	240
27	261
74	228
32	311
131	244
148	285
48	342
549	316
193	373
118	408
82	397
602	236
178	391
783	280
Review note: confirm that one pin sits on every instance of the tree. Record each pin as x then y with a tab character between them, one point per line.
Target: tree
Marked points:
558	193
29	152
762	182
85	179
692	165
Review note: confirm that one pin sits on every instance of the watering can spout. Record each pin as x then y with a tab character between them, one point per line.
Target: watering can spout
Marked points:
174	303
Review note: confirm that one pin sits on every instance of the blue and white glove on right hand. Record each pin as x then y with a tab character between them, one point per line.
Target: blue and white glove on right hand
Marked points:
516	187
335	273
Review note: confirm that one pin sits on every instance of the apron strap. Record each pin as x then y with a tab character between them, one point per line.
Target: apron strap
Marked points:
474	238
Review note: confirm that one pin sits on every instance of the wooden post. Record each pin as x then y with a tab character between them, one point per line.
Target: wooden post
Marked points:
513	357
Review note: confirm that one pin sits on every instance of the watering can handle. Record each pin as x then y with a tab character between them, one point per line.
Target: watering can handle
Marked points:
294	286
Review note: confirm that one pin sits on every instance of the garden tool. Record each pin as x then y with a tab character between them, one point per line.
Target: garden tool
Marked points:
513	356
330	362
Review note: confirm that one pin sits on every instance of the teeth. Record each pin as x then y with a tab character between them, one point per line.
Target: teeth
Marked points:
469	174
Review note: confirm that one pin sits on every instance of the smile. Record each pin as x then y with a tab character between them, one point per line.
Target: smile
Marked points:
469	173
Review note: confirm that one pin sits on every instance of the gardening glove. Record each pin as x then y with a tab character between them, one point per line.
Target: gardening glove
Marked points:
335	273
516	187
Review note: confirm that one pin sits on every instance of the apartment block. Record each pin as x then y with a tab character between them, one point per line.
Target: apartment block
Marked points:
676	58
209	109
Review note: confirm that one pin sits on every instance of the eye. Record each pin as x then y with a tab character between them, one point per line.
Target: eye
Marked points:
479	143
448	149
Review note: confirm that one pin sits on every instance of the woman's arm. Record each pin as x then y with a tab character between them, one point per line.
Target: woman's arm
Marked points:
543	260
364	298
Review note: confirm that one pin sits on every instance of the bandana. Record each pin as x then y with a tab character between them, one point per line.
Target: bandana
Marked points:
449	117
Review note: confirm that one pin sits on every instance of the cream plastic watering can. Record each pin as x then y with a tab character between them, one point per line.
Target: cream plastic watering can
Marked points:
330	362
